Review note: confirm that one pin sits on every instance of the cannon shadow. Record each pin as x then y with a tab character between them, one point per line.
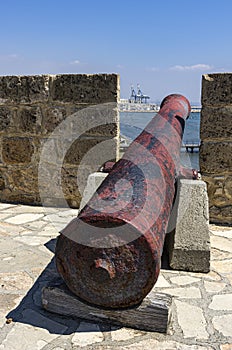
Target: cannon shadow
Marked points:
31	312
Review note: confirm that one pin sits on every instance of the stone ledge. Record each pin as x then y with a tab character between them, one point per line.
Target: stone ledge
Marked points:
75	88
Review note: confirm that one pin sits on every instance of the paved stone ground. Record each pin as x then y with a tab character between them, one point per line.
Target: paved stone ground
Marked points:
202	315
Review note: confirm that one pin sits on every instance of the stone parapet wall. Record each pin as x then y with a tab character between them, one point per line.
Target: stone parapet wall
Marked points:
35	110
216	148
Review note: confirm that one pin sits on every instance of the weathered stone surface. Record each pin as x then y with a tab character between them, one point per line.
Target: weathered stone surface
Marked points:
216	89
213	121
23	218
189	243
71	191
53	115
23	179
221	302
81	88
221	267
221	243
24	89
191	320
14	282
79	149
17	150
154	345
219	188
7	303
29	119
2	181
184	293
226	347
184	280
222	231
6	116
87	334
162	282
98	120
15	255
214	287
123	334
21	337
215	157
221	215
51	120
215	151
224	325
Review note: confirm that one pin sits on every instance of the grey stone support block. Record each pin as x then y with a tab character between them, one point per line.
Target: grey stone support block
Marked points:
189	239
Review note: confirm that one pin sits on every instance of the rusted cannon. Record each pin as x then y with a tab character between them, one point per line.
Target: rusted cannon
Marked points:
110	254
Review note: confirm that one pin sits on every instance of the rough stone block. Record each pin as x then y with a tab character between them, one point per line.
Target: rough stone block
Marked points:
216	89
53	116
6	117
70	186
189	242
2	181
20	184
24	89
91	151
16	196
99	120
23	178
17	150
221	215
34	109
216	123
219	189
73	183
215	157
82	88
29	119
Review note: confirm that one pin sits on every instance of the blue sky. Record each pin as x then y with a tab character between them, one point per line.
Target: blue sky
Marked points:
164	45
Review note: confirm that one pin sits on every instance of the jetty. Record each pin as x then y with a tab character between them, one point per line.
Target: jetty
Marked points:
190	145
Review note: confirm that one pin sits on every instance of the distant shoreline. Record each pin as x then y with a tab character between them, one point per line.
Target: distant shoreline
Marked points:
129	107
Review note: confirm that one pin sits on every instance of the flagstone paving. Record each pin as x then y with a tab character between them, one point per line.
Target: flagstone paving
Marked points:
202	312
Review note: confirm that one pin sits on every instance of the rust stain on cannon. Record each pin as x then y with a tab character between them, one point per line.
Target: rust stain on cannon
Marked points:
110	254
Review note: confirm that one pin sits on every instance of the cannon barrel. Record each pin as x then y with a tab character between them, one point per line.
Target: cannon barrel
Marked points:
110	255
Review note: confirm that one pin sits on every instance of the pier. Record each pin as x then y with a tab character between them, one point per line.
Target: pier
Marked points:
191	145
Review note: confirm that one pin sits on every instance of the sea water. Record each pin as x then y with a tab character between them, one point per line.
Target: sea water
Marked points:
132	123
